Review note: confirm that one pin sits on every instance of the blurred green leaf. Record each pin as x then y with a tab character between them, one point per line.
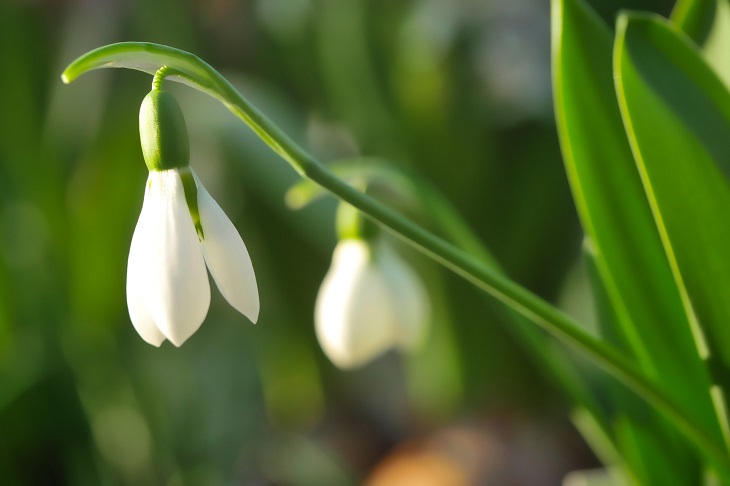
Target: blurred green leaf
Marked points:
695	17
707	22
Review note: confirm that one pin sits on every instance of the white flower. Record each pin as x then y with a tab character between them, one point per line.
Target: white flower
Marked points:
167	286
369	301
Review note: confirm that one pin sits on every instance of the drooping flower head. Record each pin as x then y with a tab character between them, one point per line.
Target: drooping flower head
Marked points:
180	231
370	301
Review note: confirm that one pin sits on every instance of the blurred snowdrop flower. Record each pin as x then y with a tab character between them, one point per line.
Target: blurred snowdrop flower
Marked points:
370	301
180	230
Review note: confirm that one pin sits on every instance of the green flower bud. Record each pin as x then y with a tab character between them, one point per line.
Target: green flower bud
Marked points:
162	132
352	224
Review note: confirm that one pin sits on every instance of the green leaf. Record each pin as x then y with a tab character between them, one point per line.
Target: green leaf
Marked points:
607	189
613	208
616	216
677	117
646	440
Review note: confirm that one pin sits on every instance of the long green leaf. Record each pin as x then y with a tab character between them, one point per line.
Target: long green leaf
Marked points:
613	207
616	216
677	117
651	452
608	192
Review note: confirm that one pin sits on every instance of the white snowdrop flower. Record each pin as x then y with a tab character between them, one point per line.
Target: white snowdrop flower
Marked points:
370	301
180	231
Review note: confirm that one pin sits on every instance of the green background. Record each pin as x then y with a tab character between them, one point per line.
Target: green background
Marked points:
458	91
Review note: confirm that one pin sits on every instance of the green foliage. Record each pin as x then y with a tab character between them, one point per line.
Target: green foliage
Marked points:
643	122
650	185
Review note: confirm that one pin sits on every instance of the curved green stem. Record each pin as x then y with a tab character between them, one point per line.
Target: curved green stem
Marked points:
159	76
415	192
191	70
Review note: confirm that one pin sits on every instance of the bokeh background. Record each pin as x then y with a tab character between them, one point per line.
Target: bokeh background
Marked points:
456	90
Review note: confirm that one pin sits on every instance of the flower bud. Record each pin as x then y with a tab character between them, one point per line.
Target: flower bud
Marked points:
369	302
162	132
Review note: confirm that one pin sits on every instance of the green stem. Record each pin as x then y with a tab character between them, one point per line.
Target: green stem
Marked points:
159	76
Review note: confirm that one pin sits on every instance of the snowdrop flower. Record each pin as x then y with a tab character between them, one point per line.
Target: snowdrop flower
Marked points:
180	231
370	301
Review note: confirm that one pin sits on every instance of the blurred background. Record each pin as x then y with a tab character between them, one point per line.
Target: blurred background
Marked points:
456	90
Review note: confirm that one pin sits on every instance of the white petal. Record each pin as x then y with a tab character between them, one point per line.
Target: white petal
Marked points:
137	281
409	297
354	316
227	257
179	293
